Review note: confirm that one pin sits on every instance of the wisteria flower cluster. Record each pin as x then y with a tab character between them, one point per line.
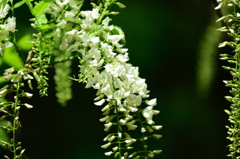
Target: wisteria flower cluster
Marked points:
88	36
231	27
7	26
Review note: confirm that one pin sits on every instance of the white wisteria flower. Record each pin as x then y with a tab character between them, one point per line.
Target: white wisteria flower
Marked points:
4	11
148	114
11	25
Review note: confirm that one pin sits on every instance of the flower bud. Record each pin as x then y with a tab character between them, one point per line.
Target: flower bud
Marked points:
28	106
157	136
104	119
32	20
232	61
116	155
3	93
108	153
114	13
229	98
99	97
36	76
120	135
115	148
151	155
120	5
30	84
28	95
105	108
6	157
220	19
132	155
94	5
157	127
111	138
125	155
219	6
106	145
99	103
157	151
226	67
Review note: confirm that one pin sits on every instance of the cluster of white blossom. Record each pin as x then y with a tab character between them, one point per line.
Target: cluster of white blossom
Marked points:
16	78
117	82
6	27
103	62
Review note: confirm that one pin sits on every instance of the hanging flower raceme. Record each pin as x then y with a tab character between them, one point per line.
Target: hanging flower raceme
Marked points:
103	61
232	29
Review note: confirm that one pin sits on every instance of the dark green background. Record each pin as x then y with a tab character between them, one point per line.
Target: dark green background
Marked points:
163	38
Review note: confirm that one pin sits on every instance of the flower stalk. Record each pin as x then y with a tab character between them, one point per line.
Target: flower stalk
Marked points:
231	22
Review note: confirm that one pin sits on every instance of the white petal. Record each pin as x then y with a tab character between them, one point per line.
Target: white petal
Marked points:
99	103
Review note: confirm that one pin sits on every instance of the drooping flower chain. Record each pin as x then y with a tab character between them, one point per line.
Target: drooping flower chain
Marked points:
232	20
117	82
14	91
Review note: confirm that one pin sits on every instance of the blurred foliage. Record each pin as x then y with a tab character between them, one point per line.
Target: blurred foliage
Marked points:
11	58
207	58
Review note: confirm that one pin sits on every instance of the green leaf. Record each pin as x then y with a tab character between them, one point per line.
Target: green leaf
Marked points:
12	58
41	19
47	1
41	7
46	26
19	4
118	31
3	2
25	42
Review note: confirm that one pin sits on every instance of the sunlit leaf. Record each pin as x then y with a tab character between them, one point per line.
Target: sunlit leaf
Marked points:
12	58
3	2
46	26
41	19
40	7
18	4
25	42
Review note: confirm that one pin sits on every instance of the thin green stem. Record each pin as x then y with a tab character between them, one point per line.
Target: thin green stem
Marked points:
18	50
14	38
118	126
143	134
14	120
